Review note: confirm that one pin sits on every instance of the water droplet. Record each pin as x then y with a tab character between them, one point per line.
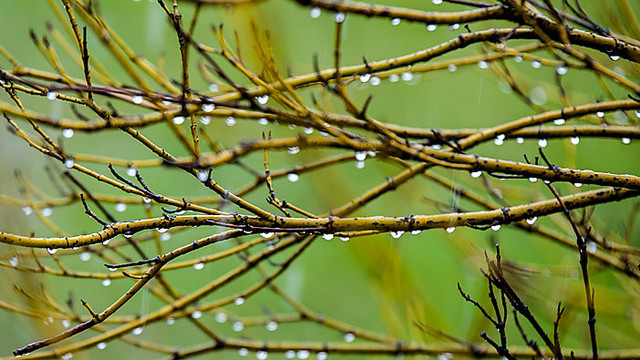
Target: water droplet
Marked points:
559	121
203	175
415	232
85	256
315	12
396	234
196	314
291	126
445	356
371	153
364	78
262	354
52	95
578	185
303	354
536	64
171	321
406	76
293	177
121	207
450	229
322	355
592	247
106	242
66	356
349	337
127	234
27	210
106	282
452	67
239	301
496	227
436	146
360	165
307	130
517	58
626	141
137	331
52	250
546	181
208	107
237	326
290	354
339	17
137	99
395	21
67	133
600	114
243	352
213	87
344	238
272	326
69	163
476	174
165	237
101	345
263	99
230	121
542	143
266	234
205	120
162	230
132	171
538	95
221	317
198	266
532	220
263	121
46	212
327	236
561	70
394	78
13	261
614	57
66	323
454	27
575	140
533	179
499	140
375	81
483	64
432	27
520	140
293	150
178	120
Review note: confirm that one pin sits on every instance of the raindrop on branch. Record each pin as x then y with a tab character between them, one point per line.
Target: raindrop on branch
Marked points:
577	184
27	210
272	326
476	174
213	87
561	70
559	121
102	345
85	256
221	317
533	179
483	64
132	171
432	27
198	266
208	107
375	81
542	143
237	326
263	121
451	229
243	352
575	140
67	133
293	177
68	163
406	76
178	120
327	236
137	331
536	64
315	12
106	282
203	175
196	314
230	121
262	99
452	67
52	250
600	114
496	227
532	220
394	78
121	207
239	301
395	21
13	261
520	140
46	212
290	354
137	99
454	27
293	150
339	17
52	95
626	141
349	337
396	234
